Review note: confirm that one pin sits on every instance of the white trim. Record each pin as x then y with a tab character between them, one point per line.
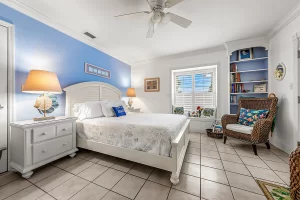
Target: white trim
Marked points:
293	14
10	81
56	25
296	105
232	46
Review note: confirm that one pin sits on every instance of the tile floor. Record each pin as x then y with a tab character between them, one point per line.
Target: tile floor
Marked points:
212	171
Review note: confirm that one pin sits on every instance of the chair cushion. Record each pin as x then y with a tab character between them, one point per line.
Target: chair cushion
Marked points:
249	117
240	128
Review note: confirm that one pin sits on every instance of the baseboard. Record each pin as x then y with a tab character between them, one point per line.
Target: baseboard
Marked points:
277	143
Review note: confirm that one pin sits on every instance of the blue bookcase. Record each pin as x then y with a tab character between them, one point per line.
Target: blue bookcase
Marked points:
245	74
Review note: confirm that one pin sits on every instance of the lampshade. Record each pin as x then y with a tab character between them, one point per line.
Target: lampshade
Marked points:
130	92
39	81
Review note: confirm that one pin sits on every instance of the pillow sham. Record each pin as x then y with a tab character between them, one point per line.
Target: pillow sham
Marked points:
249	117
88	110
119	111
107	107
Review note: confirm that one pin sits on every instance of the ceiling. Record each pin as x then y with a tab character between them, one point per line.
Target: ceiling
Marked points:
214	22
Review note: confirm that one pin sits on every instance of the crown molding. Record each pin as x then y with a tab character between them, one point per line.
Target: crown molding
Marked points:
293	14
183	55
16	5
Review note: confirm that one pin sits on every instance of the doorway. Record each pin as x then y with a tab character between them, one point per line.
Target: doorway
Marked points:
3	98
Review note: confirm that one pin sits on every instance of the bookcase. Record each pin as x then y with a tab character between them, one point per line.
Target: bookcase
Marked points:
248	77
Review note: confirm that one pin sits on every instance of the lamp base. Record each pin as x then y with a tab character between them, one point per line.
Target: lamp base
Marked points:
43	118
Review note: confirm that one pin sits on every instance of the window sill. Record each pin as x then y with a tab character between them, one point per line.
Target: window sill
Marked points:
201	119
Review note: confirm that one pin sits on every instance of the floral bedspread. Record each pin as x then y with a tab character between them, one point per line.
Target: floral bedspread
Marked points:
152	133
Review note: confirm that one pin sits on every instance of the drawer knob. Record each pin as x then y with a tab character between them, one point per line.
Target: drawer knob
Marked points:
44	150
64	129
45	133
64	144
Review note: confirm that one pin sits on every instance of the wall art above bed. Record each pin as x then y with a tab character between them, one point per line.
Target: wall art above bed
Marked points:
95	70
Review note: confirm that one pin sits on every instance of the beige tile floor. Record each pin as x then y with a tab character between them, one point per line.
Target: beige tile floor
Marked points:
212	171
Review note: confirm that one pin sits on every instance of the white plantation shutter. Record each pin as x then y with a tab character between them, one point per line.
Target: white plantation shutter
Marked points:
204	89
184	90
194	88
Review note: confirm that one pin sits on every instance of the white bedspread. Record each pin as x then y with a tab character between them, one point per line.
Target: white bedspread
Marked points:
152	133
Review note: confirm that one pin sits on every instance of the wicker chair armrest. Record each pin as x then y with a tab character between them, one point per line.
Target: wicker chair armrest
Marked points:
229	119
261	130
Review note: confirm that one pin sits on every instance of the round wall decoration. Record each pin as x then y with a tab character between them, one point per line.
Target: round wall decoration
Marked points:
279	72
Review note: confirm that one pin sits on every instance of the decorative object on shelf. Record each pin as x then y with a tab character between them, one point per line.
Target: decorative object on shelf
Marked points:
130	93
178	110
97	71
273	191
40	81
152	84
260	88
279	72
246	54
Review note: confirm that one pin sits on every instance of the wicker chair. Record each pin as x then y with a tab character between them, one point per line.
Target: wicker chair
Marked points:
260	132
295	174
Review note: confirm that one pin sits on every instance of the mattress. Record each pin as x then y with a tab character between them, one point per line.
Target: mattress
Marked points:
152	133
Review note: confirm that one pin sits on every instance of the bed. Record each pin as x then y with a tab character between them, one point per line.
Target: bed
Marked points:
157	140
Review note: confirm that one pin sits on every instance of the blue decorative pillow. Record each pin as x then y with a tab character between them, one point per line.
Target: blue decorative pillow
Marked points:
249	117
119	111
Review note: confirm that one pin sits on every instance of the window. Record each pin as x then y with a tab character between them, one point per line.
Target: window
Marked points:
194	87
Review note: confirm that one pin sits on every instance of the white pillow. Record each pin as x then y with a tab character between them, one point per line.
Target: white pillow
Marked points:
88	110
107	107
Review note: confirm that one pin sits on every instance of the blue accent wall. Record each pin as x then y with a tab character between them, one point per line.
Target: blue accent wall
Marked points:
38	46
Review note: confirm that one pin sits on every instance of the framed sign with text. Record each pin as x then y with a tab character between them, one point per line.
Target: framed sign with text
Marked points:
95	70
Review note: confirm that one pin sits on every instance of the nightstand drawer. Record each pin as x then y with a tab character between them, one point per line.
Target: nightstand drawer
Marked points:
64	129
51	148
41	134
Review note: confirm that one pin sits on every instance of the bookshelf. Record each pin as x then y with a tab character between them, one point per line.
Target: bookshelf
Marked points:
245	74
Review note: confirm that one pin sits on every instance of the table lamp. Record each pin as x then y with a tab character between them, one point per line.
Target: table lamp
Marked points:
40	81
130	93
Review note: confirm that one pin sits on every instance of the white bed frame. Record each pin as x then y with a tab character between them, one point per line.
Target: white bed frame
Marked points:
97	91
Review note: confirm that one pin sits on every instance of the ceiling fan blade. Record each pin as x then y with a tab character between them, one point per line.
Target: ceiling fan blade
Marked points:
180	21
151	29
171	3
142	12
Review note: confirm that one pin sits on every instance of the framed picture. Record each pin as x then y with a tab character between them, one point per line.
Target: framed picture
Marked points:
151	84
245	54
95	70
260	88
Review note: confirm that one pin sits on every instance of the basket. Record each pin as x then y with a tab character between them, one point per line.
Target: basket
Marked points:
212	134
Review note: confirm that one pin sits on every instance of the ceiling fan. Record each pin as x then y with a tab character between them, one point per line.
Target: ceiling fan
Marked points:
159	16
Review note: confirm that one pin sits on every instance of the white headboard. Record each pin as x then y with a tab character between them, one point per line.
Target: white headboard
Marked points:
89	91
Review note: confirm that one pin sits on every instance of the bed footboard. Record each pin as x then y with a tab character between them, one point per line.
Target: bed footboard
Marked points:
179	146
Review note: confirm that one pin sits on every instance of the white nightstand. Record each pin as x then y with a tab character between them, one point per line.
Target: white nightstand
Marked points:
36	143
135	110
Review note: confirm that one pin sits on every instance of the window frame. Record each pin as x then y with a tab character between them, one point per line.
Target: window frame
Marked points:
193	71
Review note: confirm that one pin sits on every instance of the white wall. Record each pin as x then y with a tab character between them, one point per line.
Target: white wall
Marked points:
281	50
160	102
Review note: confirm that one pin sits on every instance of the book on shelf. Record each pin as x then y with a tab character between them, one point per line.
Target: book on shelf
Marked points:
237	87
233	67
233	99
235	78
